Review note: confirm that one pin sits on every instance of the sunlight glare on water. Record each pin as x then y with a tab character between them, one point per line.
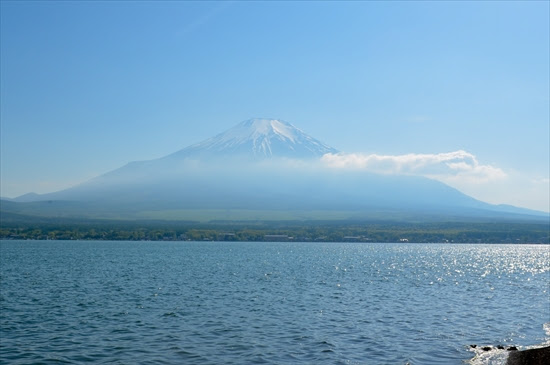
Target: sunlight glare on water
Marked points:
197	302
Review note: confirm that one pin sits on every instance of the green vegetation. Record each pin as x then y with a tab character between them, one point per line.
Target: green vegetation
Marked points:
24	227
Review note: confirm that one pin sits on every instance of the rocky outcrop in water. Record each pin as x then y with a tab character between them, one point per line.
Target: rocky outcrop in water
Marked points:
540	356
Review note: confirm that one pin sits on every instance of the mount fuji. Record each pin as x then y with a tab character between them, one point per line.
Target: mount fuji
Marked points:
258	139
260	166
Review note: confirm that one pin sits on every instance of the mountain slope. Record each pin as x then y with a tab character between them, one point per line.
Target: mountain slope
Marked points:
261	165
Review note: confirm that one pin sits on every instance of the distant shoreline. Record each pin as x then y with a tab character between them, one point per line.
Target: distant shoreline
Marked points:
268	241
23	228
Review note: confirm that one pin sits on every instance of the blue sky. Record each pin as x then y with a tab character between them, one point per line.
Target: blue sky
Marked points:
88	86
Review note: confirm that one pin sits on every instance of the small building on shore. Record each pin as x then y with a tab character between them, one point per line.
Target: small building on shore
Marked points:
277	238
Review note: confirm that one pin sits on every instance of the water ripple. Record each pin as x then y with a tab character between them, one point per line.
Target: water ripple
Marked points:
275	303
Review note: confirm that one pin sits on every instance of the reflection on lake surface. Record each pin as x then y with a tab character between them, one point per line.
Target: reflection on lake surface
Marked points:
267	303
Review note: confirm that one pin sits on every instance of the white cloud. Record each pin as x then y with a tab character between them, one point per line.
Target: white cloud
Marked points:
459	169
457	164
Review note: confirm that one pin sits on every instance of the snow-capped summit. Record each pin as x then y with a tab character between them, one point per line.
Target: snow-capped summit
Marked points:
259	138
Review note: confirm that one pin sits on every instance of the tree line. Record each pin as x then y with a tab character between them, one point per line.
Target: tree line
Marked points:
446	232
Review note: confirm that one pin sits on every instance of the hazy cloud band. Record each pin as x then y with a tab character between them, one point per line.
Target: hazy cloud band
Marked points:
440	166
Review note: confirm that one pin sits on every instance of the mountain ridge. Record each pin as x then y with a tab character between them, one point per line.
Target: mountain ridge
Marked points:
247	167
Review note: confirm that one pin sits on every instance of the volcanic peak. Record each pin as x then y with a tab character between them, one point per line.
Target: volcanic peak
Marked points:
260	138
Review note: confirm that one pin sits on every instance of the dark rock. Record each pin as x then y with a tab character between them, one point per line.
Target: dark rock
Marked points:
512	348
539	356
487	348
473	346
500	347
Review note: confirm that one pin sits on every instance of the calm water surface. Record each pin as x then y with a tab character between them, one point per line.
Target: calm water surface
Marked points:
267	303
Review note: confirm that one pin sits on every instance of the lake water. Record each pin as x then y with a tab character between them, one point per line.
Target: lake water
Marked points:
267	303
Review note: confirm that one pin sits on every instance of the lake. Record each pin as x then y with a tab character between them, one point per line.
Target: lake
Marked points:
268	303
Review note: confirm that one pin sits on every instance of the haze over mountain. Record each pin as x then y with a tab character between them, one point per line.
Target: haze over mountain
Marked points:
258	165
